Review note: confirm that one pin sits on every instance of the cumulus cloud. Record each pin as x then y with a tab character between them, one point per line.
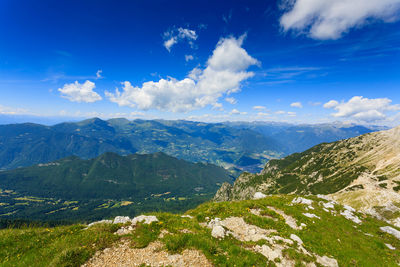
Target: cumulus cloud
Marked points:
77	92
362	108
259	107
231	100
296	105
225	70
324	19
174	36
331	104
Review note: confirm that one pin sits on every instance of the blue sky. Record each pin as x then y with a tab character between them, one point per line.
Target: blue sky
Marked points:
298	61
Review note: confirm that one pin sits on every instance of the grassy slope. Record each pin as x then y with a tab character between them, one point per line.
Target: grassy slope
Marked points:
93	189
333	236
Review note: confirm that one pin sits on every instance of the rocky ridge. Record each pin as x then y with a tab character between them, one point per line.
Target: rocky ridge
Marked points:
363	172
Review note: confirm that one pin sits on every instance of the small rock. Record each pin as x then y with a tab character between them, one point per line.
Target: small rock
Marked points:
296	238
145	219
301	200
218	231
348	214
390	247
259	195
214	222
391	230
396	222
121	219
326	261
187	216
311	215
328	205
346	207
268	252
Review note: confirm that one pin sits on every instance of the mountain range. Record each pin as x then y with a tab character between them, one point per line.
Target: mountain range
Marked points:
238	146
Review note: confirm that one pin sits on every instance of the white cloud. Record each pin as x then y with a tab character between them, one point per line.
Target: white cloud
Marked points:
188	57
259	107
13	111
262	114
237	112
77	92
330	19
218	106
280	112
170	42
174	36
225	70
296	105
362	108
98	74
231	100
186	33
331	104
291	114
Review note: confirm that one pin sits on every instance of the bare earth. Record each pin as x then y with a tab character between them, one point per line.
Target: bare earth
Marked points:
152	255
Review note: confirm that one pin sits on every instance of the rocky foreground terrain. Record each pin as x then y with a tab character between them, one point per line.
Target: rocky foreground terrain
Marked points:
280	230
273	231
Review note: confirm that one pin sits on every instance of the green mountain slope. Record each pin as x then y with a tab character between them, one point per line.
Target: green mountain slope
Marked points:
363	171
27	144
274	231
107	180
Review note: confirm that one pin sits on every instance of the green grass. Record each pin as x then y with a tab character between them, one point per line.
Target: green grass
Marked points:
332	236
56	246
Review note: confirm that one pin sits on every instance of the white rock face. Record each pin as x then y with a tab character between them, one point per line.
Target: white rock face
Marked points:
218	231
124	230
268	252
390	247
349	208
348	214
396	222
121	219
301	200
326	261
296	238
329	205
259	195
145	219
311	215
391	231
